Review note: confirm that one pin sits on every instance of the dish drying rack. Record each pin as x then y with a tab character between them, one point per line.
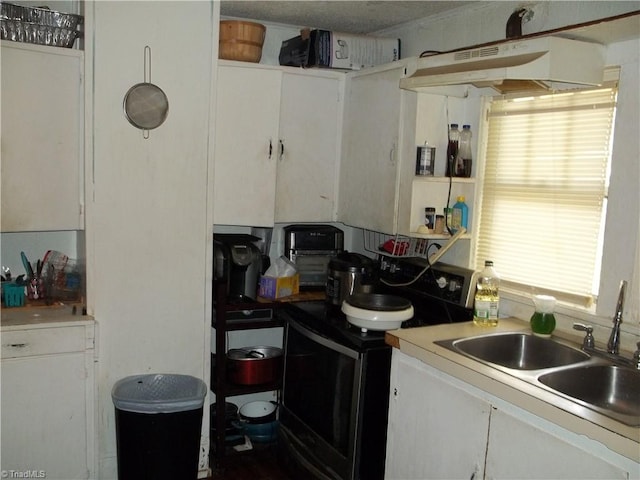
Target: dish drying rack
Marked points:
402	246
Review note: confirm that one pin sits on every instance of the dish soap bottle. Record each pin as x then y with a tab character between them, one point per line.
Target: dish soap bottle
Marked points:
543	322
487	300
459	214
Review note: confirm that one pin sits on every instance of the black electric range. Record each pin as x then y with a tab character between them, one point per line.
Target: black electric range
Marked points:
328	321
441	294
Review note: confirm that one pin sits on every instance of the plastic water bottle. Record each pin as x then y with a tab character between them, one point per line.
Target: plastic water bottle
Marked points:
463	162
459	214
487	299
452	149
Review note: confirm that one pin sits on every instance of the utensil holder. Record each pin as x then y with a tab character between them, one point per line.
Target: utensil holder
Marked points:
13	295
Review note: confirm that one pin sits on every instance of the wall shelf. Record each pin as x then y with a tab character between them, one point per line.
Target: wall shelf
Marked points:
439	179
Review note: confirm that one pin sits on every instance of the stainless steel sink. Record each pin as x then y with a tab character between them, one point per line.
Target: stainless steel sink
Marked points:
558	367
519	351
610	388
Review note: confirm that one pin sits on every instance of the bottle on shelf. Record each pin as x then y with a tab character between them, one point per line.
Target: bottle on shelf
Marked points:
463	161
459	214
452	149
487	299
430	218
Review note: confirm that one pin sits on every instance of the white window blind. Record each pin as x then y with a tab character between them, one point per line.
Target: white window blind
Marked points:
544	191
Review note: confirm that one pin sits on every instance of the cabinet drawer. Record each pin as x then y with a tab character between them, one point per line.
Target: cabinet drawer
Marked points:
43	341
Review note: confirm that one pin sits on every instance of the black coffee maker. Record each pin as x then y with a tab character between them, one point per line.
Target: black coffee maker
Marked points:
237	262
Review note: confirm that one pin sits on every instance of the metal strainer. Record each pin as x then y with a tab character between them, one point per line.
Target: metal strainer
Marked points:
145	105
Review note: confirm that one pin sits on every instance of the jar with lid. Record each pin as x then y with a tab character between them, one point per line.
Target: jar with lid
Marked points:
430	218
425	160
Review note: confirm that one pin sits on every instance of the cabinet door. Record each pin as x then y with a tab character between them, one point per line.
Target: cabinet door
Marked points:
370	156
518	449
44	415
309	128
41	138
246	146
436	430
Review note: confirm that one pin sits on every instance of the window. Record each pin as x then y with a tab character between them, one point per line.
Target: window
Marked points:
544	191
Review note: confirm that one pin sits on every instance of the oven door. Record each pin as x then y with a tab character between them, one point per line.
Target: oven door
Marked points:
320	400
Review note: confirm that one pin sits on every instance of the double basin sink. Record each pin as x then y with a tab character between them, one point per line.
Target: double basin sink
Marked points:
555	365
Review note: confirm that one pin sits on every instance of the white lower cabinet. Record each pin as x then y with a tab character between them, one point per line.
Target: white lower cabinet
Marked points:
441	427
435	429
47	403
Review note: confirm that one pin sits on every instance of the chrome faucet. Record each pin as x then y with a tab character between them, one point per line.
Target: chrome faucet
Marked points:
613	346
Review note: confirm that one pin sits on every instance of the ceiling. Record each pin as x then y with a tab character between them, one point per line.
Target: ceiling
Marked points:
359	17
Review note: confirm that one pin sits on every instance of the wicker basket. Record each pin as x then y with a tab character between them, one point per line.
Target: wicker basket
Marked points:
241	40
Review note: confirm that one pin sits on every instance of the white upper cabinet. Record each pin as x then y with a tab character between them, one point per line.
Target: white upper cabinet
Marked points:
42	138
246	145
310	121
276	145
378	134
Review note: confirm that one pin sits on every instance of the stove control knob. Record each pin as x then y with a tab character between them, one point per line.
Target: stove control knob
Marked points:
454	285
442	282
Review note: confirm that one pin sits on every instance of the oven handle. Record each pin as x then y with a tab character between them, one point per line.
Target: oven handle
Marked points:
302	330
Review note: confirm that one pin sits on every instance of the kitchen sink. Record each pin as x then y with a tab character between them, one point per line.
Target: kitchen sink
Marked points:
558	367
611	388
518	351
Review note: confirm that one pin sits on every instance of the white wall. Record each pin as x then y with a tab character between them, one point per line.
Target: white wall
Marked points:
148	200
486	22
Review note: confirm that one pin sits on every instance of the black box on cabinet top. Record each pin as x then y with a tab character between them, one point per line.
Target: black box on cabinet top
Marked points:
326	49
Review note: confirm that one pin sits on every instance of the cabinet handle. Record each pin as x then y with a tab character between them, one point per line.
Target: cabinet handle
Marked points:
270	149
17	345
281	149
392	154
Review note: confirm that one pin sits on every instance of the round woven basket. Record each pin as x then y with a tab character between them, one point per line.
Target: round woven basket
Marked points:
241	40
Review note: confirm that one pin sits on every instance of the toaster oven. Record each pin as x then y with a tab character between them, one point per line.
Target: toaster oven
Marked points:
310	247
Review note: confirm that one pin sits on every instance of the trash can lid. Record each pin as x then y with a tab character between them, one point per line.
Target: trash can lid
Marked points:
158	393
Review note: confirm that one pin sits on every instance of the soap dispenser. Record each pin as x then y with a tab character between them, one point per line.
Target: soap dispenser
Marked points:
543	322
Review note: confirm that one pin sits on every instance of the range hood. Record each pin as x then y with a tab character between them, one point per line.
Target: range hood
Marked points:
529	64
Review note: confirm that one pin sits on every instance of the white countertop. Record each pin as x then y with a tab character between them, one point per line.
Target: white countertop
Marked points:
60	315
419	343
